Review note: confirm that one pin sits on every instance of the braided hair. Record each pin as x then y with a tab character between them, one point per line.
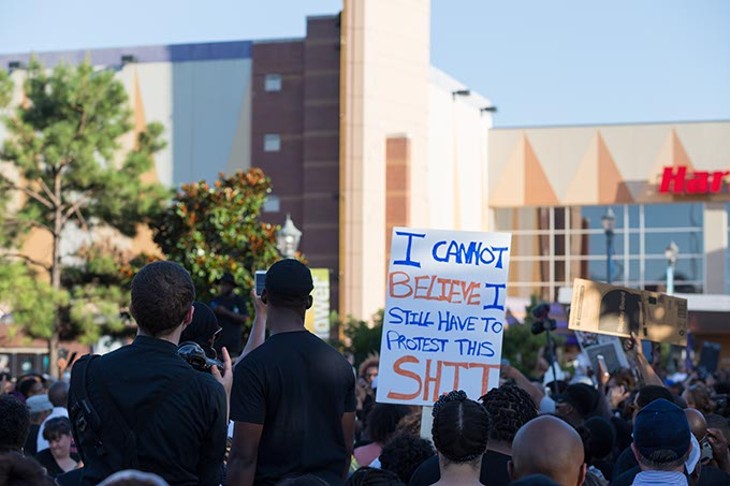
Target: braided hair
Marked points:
460	427
509	407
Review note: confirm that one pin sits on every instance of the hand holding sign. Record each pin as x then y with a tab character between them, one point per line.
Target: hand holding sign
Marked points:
443	322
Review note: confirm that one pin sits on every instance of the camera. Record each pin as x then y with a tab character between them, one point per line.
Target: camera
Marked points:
542	319
194	354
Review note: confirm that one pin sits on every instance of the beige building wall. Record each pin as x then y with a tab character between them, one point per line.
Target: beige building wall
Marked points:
385	79
457	169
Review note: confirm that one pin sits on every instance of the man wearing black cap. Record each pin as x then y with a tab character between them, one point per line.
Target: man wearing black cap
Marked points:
661	444
293	400
231	311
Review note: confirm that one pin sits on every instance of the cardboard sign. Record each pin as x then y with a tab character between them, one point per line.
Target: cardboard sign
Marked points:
617	311
609	347
317	318
444	315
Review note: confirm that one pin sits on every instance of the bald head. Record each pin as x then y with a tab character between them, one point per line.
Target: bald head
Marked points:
697	423
549	446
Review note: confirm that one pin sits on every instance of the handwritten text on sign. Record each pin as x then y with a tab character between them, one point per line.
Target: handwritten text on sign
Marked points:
444	315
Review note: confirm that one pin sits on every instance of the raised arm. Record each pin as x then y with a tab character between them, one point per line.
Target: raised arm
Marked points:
258	329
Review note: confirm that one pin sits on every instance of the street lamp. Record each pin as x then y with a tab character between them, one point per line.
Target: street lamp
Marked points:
287	238
609	221
671	252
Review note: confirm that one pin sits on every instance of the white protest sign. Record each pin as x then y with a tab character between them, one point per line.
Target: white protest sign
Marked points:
444	315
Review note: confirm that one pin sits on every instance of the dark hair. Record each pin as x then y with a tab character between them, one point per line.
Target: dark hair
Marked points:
509	408
662	460
460	427
203	326
58	394
306	480
649	393
404	454
369	476
56	427
602	438
26	385
14	424
162	294
383	420
18	470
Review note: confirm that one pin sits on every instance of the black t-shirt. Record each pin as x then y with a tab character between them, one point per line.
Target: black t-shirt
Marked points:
493	473
298	387
46	459
231	331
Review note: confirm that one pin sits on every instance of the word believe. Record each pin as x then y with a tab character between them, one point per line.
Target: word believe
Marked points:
678	180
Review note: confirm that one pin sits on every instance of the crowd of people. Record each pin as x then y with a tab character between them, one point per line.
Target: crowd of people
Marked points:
173	407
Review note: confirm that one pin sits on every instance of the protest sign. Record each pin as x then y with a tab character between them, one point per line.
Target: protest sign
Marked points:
317	318
609	347
444	315
618	311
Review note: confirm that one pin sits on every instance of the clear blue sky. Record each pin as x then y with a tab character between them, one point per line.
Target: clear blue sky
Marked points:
542	62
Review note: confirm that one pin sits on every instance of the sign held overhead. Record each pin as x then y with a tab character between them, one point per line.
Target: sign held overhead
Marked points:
444	315
618	311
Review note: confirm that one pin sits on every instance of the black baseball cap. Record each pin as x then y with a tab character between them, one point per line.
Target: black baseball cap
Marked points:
289	278
583	398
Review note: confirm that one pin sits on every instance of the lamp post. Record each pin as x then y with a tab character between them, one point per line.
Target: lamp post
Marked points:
287	238
609	221
671	252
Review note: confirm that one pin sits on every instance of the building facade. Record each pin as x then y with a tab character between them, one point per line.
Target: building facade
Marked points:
360	133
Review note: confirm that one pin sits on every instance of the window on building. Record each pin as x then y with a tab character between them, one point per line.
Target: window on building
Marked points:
272	204
552	246
272	82
272	142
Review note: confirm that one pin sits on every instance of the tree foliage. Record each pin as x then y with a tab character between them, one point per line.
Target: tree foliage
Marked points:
69	168
215	229
521	347
362	338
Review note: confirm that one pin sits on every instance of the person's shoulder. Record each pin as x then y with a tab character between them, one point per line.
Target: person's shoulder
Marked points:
427	473
207	381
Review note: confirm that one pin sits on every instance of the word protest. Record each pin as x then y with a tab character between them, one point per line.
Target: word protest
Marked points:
444	315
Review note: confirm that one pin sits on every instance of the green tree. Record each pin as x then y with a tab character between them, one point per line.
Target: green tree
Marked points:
362	338
215	229
521	347
64	148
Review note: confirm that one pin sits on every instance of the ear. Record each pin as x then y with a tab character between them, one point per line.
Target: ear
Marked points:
264	297
582	475
511	470
310	300
188	317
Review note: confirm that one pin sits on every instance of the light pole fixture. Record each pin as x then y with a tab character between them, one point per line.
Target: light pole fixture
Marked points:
287	238
671	252
608	221
460	92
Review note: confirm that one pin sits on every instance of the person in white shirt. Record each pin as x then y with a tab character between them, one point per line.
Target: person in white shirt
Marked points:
58	395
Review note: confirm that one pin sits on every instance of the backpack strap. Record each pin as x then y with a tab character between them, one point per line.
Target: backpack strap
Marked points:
87	422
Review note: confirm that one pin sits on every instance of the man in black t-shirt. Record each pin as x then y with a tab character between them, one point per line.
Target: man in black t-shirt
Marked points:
230	308
293	400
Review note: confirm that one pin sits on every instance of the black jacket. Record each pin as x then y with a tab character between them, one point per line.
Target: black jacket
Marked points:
178	414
